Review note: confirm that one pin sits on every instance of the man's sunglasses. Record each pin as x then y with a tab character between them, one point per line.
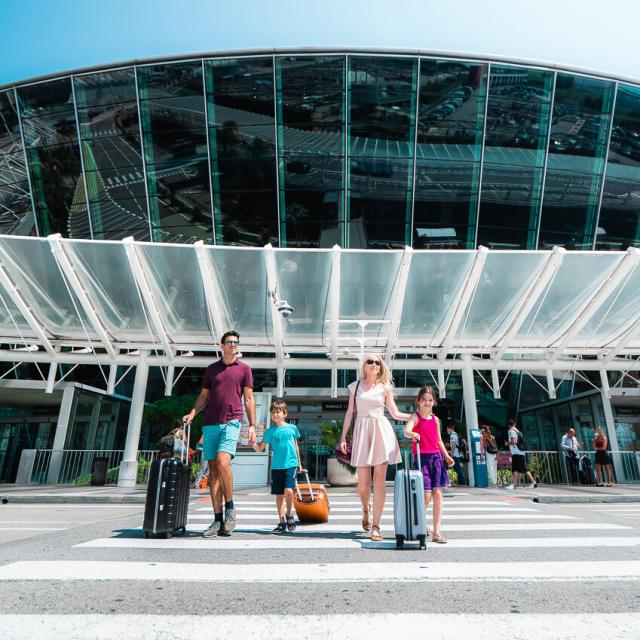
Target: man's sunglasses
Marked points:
373	362
232	343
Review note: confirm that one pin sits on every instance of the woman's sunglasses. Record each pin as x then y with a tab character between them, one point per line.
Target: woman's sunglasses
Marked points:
373	362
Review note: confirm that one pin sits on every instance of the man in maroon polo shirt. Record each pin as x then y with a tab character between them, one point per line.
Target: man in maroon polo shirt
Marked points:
224	384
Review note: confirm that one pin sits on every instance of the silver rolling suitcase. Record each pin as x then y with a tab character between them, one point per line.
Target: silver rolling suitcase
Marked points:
408	505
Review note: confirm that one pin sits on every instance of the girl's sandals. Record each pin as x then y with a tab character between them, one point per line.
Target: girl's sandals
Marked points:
376	536
291	524
436	537
366	524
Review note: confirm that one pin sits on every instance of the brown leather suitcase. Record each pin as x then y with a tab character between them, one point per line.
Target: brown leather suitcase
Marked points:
311	502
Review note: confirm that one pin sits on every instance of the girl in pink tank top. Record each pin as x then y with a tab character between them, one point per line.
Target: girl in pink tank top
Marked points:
423	426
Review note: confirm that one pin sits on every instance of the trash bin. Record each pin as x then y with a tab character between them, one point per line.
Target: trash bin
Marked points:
99	471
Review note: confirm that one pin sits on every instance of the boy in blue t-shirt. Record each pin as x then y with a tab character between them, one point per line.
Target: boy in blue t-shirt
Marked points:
285	462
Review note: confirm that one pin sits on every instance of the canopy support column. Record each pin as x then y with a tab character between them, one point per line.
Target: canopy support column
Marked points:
111	382
470	410
442	384
495	384
129	464
168	384
612	436
60	437
551	385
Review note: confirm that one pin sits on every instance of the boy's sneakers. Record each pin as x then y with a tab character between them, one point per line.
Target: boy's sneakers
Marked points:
510	487
280	528
533	485
229	521
214	530
291	524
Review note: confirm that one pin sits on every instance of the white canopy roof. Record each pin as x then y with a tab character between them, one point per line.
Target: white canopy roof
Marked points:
100	302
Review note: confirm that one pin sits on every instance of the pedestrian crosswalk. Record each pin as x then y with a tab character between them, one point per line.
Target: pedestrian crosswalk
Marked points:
503	542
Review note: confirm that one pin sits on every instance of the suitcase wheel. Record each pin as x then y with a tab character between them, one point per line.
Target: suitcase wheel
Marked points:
423	542
399	542
146	534
168	535
184	531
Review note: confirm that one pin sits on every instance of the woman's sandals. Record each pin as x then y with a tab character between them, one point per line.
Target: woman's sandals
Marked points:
366	524
436	537
376	536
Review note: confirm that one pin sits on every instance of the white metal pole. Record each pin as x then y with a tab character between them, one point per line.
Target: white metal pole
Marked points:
470	413
129	464
60	437
611	426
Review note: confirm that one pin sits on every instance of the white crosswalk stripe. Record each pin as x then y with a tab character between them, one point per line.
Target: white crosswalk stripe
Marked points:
315	542
458	626
628	570
475	527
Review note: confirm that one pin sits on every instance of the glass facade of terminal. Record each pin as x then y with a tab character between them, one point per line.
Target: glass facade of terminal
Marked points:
311	150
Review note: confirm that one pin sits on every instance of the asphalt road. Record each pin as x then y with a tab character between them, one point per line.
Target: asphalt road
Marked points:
512	568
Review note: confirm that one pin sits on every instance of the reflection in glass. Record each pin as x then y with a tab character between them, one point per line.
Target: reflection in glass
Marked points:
10	141
58	192
16	215
175	146
110	143
518	111
242	136
48	115
382	114
450	123
577	147
619	223
310	101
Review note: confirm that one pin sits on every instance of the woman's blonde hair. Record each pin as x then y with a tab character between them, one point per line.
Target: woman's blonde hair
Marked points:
384	375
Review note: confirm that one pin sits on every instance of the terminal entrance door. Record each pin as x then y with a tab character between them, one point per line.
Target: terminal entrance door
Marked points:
313	447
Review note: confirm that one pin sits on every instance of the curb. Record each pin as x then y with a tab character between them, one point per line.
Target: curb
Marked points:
53	499
585	499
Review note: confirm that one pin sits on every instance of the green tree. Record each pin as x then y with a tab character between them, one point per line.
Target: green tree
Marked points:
162	414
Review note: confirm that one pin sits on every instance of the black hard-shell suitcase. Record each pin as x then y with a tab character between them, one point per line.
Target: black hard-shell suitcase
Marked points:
167	503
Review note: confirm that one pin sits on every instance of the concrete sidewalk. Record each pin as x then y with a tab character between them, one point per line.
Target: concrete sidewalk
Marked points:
63	494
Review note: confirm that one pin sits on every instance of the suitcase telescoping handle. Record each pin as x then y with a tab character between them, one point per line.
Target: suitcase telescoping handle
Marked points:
186	425
306	475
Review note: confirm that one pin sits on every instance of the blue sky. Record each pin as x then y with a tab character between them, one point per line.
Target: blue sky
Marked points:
47	36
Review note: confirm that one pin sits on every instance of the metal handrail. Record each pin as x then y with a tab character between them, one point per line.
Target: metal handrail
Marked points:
549	467
73	466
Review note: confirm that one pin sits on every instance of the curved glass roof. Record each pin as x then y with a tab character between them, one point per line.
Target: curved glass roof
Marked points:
95	301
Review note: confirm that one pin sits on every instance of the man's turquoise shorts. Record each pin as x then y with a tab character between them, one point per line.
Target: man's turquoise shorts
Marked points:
218	438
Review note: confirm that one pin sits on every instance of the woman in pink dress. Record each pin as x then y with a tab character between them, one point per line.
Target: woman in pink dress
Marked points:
374	444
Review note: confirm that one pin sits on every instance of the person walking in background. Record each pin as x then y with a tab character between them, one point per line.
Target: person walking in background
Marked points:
283	438
490	449
224	385
603	458
518	457
570	445
456	453
424	427
374	445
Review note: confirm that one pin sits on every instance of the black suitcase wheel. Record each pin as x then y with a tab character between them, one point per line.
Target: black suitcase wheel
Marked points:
146	534
184	531
399	542
423	541
168	535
